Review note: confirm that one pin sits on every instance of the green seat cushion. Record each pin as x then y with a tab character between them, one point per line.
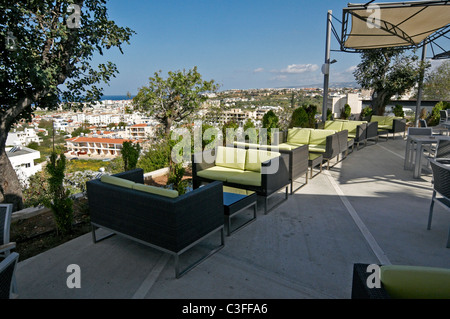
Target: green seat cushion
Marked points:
412	282
334	125
317	148
246	178
117	181
256	157
384	127
218	173
319	137
284	147
156	190
298	135
231	157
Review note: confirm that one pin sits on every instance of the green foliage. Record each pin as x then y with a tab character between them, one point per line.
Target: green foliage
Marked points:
155	158
299	118
388	71
437	83
50	52
311	111
229	131
173	99
175	178
36	192
270	121
60	202
435	115
366	112
329	115
78	131
130	155
398	110
304	116
250	131
346	112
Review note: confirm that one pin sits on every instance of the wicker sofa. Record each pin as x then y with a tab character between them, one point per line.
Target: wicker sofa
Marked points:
298	159
325	142
400	282
389	124
154	216
263	172
357	130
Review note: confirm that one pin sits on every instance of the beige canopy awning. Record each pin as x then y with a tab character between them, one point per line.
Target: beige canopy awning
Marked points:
396	24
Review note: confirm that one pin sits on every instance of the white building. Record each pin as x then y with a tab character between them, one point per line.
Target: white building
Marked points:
22	138
22	159
337	102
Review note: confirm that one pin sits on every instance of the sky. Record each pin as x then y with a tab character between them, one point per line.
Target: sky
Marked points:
239	44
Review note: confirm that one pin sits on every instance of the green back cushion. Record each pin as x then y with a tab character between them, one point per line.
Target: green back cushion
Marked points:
231	157
350	126
334	125
378	118
256	157
319	137
389	120
117	181
298	135
412	282
156	190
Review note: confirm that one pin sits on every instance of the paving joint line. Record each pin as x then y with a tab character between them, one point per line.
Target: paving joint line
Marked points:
379	253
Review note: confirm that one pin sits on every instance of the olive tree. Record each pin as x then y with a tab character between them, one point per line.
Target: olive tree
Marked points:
46	51
387	71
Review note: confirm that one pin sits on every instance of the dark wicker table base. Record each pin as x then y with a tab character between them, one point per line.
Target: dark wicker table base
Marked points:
234	204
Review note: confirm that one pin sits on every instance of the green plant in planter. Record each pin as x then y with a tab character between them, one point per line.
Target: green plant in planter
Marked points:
366	113
346	112
59	201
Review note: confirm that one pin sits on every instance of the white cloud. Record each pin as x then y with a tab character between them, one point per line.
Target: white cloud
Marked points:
300	68
258	70
351	69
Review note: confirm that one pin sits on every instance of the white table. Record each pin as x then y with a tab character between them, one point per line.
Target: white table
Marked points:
415	144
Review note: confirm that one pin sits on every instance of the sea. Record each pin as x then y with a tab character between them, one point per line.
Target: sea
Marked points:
116	97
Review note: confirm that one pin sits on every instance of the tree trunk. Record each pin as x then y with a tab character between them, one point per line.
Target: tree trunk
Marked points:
379	102
10	188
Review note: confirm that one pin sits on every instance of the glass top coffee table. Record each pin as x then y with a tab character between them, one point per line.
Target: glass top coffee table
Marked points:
237	201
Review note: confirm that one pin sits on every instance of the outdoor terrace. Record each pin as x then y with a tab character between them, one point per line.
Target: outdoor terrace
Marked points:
365	209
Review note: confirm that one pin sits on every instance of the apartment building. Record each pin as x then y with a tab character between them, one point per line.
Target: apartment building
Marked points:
22	159
96	146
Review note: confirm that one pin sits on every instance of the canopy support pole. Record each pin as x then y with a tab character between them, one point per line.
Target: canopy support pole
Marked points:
420	89
326	68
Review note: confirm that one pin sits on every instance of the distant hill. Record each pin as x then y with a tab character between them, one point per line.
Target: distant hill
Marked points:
330	85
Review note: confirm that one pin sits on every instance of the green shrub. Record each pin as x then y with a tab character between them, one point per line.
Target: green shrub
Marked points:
155	158
346	112
130	155
366	113
398	110
269	122
59	201
299	118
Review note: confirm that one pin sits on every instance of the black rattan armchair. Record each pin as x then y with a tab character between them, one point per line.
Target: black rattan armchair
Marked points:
441	188
172	225
7	272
